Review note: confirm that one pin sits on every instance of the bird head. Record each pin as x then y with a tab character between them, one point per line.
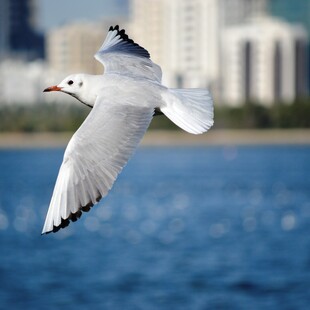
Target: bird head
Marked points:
70	85
73	85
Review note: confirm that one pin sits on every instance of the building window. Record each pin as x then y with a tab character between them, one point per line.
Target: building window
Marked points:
300	68
248	55
277	72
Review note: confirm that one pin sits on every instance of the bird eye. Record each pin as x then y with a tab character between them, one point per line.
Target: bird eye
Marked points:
70	82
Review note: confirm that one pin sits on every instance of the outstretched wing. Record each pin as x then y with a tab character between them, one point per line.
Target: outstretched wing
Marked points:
93	159
119	54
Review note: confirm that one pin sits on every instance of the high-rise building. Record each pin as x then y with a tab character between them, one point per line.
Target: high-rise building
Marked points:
183	36
149	23
229	46
18	30
265	61
71	48
295	12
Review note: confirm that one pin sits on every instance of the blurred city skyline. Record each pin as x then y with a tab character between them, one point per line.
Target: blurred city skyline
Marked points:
242	50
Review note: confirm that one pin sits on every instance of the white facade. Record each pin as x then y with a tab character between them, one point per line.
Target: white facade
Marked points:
21	82
194	45
182	36
148	25
71	48
264	61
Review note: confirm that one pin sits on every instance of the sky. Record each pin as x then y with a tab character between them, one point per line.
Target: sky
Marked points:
58	12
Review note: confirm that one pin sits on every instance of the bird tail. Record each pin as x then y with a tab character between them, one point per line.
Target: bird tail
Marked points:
190	109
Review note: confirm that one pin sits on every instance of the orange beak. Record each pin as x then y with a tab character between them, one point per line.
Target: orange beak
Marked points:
52	88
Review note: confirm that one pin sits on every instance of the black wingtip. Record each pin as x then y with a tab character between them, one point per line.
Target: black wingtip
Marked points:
116	27
137	49
73	217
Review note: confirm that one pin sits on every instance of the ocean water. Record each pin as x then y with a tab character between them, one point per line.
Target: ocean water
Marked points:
183	228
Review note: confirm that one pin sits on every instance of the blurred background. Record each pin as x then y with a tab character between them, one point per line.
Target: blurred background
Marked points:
218	221
252	54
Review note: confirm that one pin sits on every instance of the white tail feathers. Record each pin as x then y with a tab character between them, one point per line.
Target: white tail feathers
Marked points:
190	109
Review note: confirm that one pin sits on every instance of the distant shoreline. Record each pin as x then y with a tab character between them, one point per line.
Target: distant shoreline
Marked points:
170	138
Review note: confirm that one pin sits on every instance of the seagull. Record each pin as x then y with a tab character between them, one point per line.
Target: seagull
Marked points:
123	100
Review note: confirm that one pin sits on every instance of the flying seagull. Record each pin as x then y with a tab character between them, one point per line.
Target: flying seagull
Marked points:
123	100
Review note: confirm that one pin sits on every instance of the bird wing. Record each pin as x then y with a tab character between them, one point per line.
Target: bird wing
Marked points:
94	157
119	54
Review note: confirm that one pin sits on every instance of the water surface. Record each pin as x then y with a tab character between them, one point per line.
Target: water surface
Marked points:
183	228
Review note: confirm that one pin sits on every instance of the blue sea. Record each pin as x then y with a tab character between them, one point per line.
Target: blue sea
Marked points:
183	228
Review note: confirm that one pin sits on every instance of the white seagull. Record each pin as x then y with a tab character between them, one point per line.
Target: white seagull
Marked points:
124	100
